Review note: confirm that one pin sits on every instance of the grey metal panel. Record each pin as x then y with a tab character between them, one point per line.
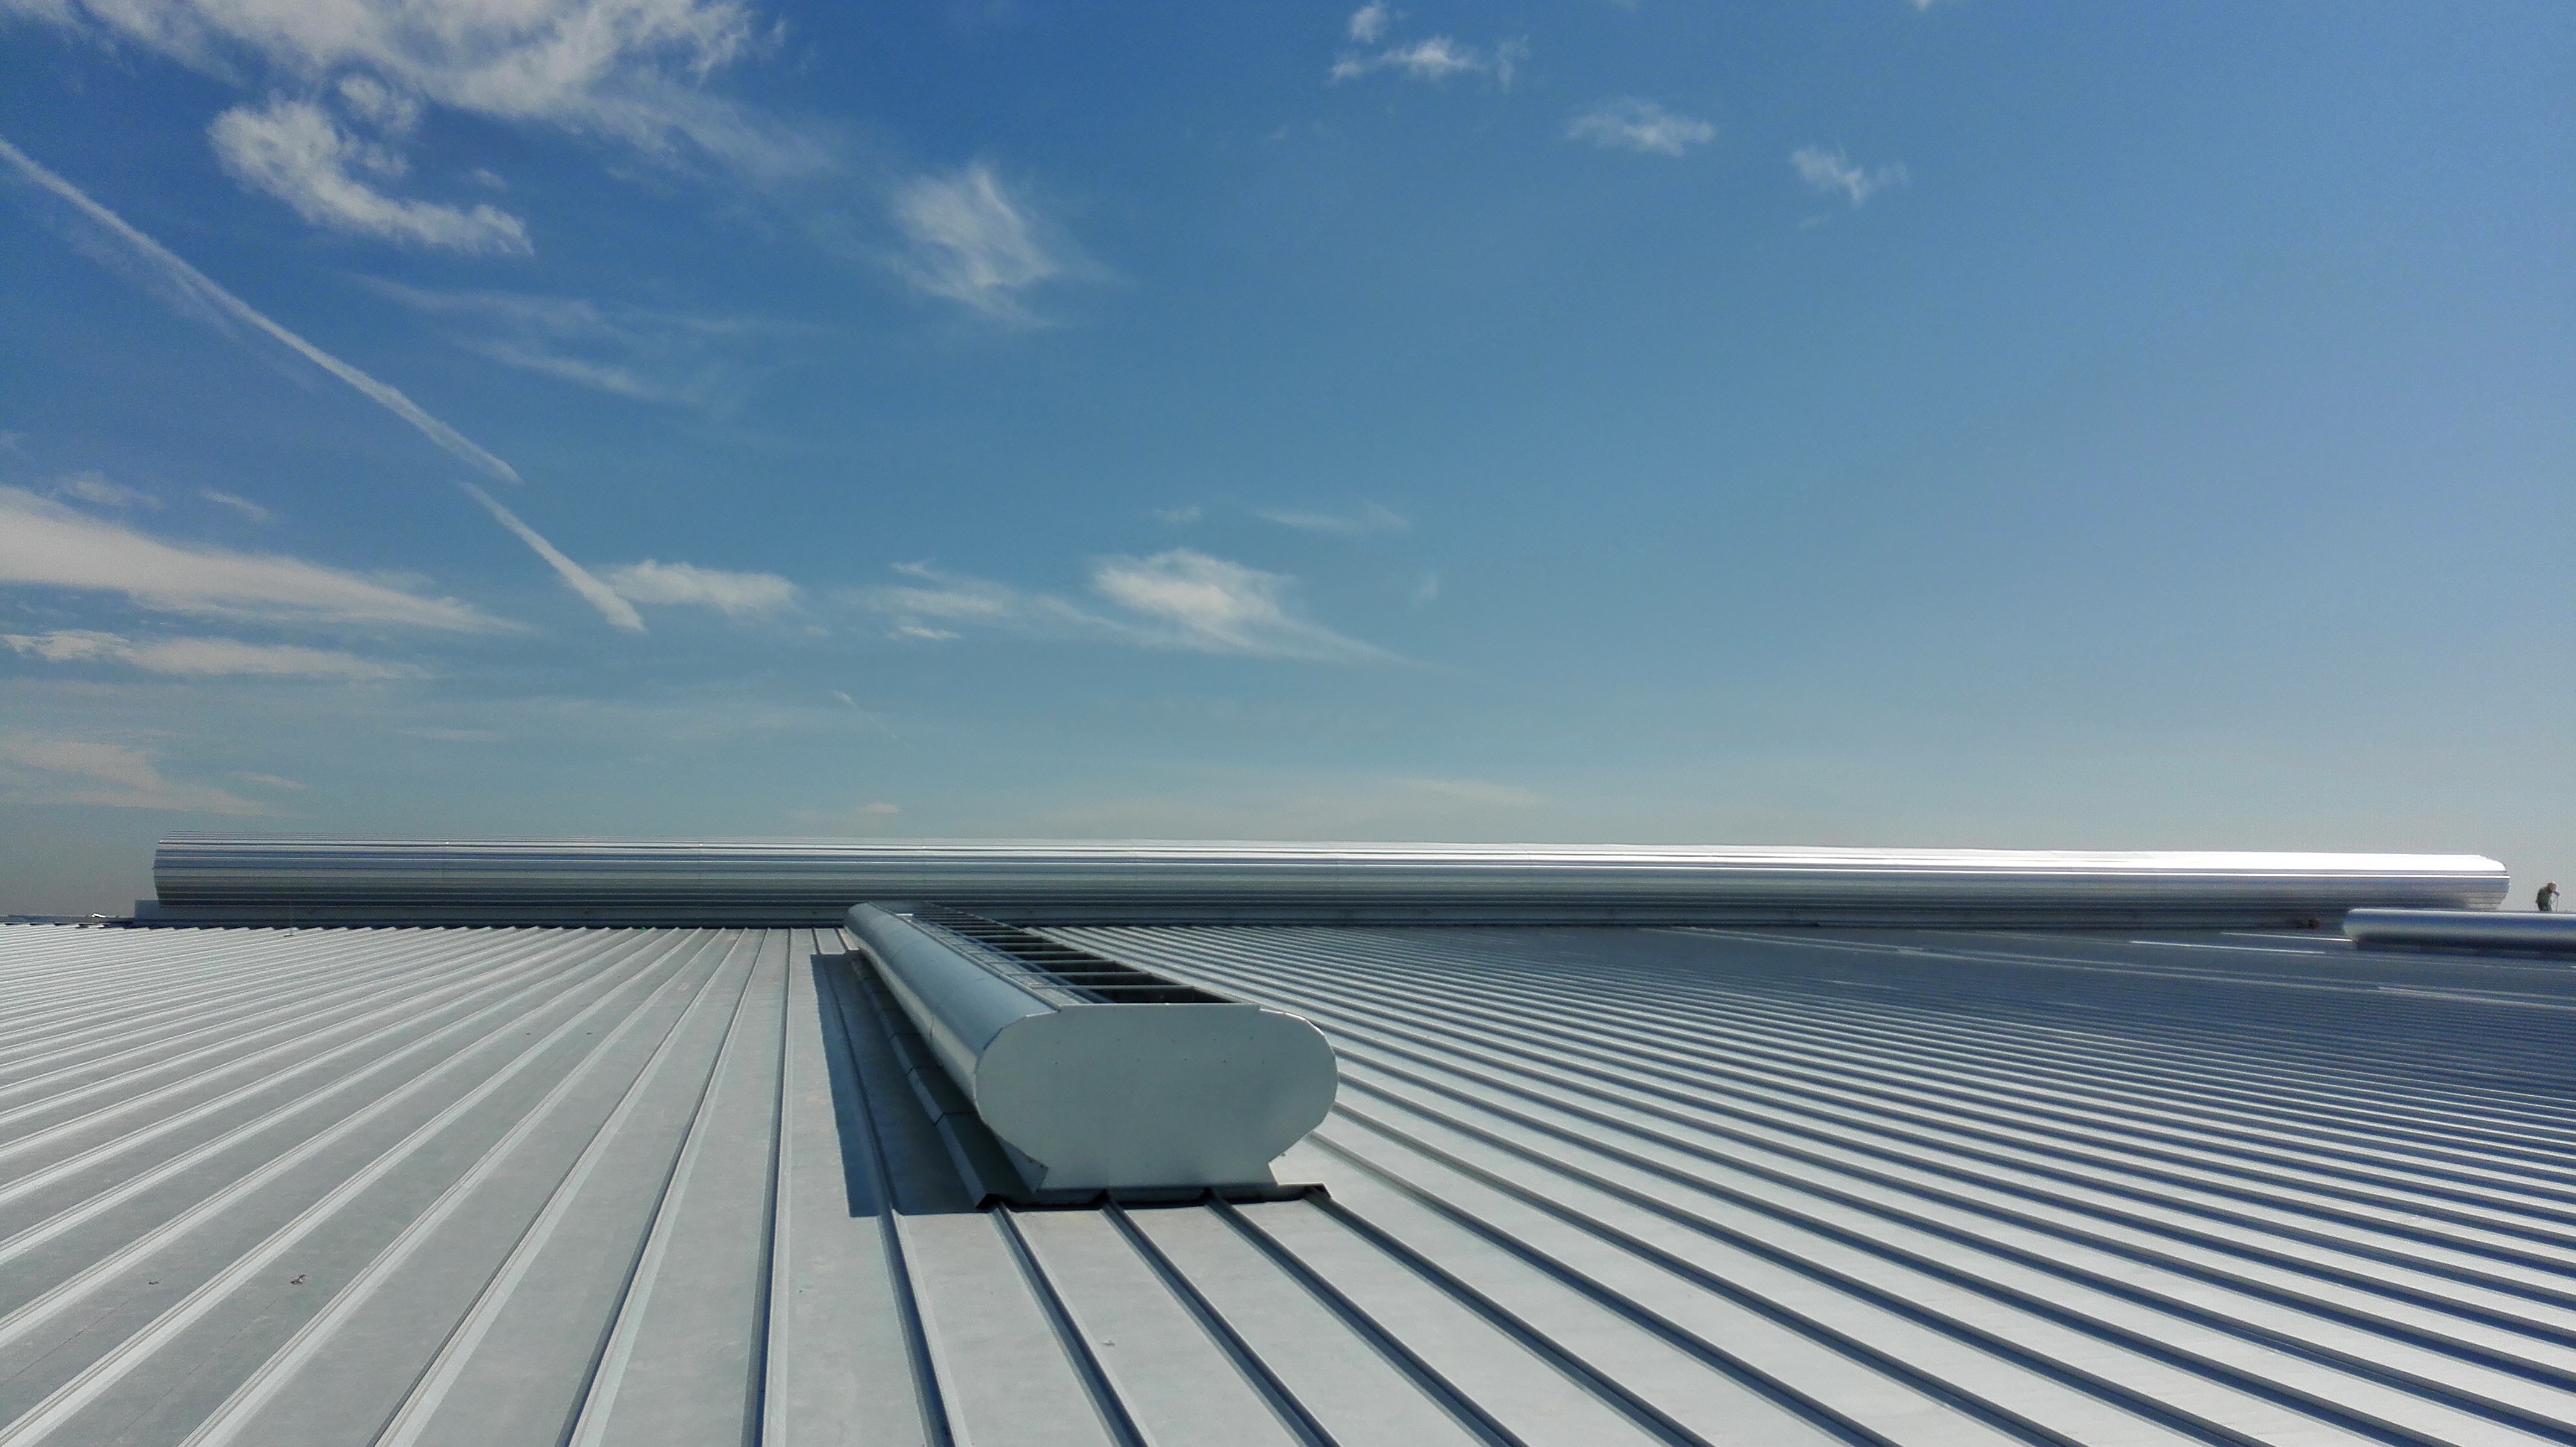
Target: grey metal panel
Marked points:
841	1368
1739	1186
2458	929
779	881
1943	1157
518	1364
212	1255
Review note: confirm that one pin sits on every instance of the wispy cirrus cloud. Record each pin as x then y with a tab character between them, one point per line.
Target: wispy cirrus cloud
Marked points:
735	595
1181	600
1627	123
969	240
1191	600
45	544
638	352
242	505
94	488
618	612
205	657
37	769
198	295
1832	173
1435	58
297	152
1366	521
934	605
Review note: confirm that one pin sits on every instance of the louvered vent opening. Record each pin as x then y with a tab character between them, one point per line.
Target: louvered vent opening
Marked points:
1060	973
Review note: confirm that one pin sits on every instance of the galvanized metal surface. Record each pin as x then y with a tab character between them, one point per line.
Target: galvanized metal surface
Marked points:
798	881
2463	929
1587	1186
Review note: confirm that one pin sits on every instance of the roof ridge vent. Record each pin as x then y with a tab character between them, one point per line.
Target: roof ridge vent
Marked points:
1096	1075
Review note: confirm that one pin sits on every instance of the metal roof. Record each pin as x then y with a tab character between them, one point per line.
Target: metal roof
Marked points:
491	1186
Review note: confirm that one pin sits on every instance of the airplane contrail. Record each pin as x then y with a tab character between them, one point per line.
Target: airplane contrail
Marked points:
203	289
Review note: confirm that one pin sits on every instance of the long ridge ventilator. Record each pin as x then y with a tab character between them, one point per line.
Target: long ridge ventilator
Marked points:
1092	1075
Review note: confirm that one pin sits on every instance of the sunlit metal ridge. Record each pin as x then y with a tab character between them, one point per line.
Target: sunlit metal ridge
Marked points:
789	881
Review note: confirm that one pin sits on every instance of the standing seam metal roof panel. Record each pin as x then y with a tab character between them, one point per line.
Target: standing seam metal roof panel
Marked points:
640	1186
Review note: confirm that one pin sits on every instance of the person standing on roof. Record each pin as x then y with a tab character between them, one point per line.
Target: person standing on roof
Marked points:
2547	899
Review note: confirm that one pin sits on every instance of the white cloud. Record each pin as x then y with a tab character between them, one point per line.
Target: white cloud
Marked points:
241	505
93	487
270	781
973	243
205	657
1426	591
1181	600
1436	59
1368	520
1178	516
1214	606
1630	124
622	68
1832	172
629	70
380	104
296	152
44	544
108	776
736	595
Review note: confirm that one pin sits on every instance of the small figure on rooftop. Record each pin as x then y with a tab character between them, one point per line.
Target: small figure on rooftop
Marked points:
2547	899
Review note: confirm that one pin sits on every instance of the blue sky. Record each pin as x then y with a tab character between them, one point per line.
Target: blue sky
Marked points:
1845	422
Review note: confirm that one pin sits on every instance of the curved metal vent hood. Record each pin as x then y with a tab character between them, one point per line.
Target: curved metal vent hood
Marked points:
1097	1076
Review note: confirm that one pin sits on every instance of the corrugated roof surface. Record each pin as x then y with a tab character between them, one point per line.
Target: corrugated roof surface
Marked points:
1586	1186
